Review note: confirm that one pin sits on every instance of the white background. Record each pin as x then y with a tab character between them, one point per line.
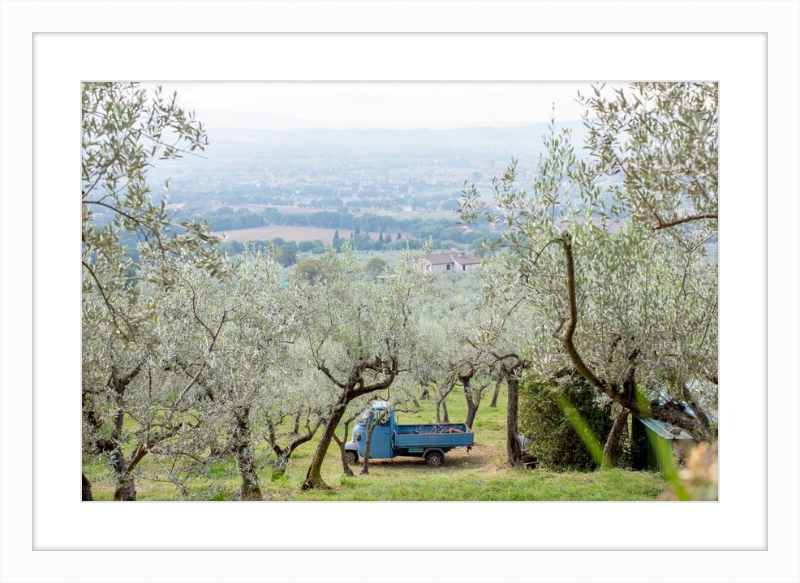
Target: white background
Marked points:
284	105
738	521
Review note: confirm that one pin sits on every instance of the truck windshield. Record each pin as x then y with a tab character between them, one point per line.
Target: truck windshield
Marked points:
380	417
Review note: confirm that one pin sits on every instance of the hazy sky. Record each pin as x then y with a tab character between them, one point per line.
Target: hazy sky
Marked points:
396	105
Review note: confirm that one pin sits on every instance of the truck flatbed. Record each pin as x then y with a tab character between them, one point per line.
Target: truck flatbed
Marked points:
448	435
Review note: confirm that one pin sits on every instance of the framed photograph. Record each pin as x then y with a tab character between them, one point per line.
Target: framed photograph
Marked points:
438	279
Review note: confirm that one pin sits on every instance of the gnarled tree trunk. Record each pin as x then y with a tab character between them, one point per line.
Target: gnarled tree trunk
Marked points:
441	411
472	396
368	446
245	458
341	443
125	488
314	474
611	449
86	494
472	409
354	387
284	454
513	448
496	394
126	491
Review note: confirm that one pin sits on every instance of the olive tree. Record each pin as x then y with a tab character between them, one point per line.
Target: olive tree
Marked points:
459	358
440	355
298	407
505	336
139	392
352	412
489	342
124	131
661	140
630	310
470	367
110	366
360	335
247	378
198	387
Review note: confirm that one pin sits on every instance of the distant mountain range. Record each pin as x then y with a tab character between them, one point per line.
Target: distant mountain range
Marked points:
481	137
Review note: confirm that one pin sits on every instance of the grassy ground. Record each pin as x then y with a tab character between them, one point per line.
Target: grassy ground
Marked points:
476	475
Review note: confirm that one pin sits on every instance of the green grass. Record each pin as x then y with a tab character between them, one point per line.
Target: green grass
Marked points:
476	475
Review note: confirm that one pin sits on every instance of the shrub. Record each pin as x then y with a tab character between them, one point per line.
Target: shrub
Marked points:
375	267
554	441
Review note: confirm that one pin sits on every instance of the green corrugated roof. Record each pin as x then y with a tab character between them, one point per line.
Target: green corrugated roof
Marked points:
662	429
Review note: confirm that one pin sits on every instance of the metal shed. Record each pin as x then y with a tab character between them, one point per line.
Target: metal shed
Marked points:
656	442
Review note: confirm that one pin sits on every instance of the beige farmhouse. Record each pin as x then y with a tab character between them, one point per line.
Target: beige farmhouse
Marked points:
452	261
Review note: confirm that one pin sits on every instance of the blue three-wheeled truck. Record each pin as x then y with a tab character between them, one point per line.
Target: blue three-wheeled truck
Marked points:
390	440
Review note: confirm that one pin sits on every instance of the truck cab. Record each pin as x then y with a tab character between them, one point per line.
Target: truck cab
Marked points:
390	439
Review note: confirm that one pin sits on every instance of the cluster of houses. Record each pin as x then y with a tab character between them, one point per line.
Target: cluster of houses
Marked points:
451	261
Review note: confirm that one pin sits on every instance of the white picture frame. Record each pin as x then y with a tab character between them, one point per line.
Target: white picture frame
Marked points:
751	48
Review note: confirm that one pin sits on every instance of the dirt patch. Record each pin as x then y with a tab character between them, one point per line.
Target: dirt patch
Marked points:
480	458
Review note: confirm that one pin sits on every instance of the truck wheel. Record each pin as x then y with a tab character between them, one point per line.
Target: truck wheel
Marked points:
434	459
351	457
